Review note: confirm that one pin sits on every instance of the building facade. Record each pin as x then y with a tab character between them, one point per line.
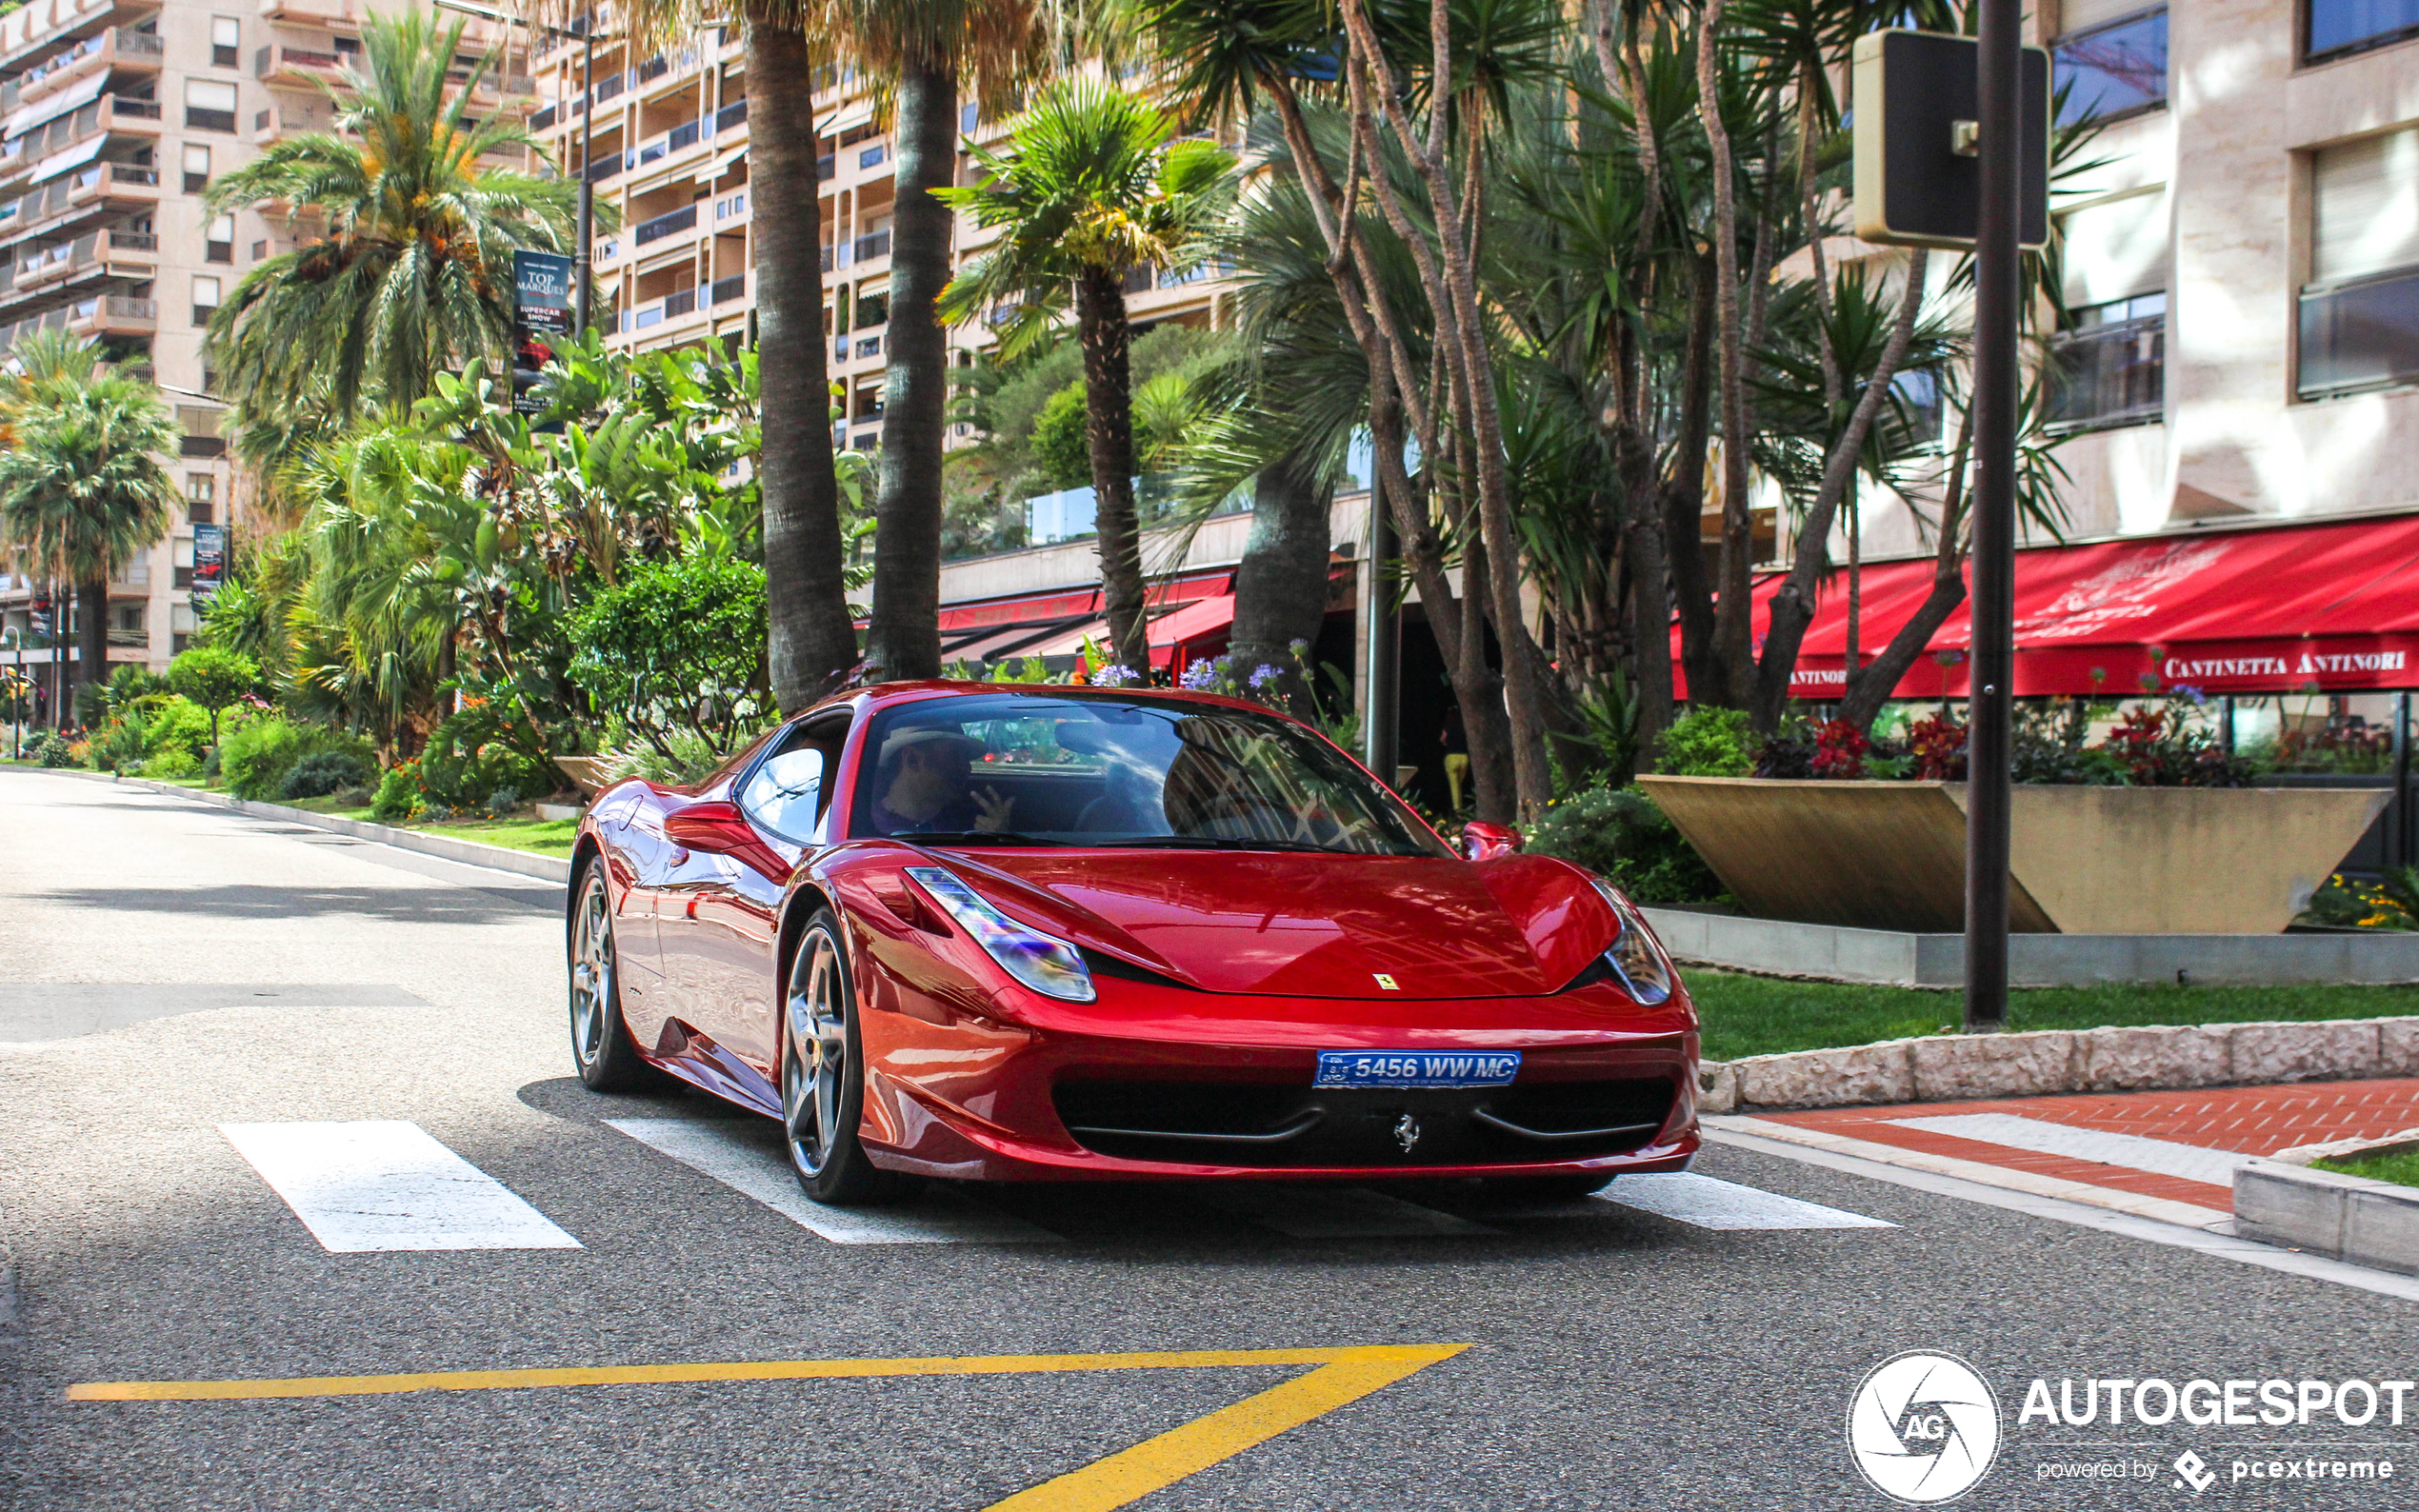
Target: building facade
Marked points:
117	118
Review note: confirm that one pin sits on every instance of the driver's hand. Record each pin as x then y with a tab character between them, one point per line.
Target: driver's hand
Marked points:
993	817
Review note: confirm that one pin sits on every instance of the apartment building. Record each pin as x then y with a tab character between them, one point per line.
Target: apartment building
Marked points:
118	116
664	138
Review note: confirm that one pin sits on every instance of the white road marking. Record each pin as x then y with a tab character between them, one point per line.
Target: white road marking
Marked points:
386	1185
1331	1212
714	1148
1707	1203
2191	1162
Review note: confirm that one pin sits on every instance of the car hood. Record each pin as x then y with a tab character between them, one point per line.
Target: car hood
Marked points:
1321	925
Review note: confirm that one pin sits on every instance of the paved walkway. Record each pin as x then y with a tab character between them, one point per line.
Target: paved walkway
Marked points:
2177	1149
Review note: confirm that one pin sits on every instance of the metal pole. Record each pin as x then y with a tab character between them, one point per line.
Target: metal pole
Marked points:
1987	798
587	231
2398	811
1382	700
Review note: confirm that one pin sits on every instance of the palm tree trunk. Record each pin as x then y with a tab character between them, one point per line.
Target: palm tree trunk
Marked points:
1280	586
1109	434
93	631
811	642
904	639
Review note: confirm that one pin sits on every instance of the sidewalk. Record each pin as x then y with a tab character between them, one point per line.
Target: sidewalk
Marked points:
2165	1155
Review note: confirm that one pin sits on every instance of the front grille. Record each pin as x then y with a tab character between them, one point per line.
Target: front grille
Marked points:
1279	1127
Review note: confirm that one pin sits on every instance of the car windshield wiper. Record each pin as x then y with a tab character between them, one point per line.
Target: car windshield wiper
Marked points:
973	836
1223	843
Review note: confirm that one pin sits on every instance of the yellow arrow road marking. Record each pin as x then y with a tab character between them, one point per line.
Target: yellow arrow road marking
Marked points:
1344	1374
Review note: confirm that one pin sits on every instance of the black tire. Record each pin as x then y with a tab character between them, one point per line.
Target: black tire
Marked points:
823	1074
1510	1189
602	1050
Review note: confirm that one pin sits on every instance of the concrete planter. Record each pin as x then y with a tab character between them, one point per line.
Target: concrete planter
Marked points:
1891	856
2284	1200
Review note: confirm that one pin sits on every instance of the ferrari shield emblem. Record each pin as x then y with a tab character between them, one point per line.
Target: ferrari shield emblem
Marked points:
1386	982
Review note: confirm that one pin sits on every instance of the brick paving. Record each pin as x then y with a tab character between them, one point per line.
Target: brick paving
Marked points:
2248	1120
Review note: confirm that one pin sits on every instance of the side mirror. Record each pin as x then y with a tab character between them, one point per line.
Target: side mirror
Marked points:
1482	841
716	828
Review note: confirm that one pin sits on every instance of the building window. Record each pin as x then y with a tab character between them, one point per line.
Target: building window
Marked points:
2108	363
226	41
2359	320
872	309
210	105
220	246
260	250
2109	62
196	169
2341	26
201	497
205	299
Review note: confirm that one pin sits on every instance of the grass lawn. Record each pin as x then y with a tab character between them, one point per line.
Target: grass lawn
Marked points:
545	837
2403	1168
1745	1015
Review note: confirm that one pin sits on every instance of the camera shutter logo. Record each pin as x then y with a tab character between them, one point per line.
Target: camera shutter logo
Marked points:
1922	1428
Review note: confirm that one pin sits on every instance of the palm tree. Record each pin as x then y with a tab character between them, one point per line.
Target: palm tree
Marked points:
930	51
82	491
1093	185
410	272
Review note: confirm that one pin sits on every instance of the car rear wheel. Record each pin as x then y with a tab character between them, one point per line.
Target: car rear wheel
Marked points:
601	1047
823	1074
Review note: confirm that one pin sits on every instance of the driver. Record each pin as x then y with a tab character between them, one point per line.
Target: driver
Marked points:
921	785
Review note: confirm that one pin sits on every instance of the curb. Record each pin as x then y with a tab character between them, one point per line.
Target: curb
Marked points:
2283	1200
1952	1067
472	852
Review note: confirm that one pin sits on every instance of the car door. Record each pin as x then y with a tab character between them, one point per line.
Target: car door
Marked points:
787	796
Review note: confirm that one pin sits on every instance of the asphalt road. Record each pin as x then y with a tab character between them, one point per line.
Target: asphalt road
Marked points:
167	968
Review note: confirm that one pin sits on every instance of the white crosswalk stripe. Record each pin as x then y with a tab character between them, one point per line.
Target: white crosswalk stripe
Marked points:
1708	1203
2191	1162
386	1185
1329	1212
720	1148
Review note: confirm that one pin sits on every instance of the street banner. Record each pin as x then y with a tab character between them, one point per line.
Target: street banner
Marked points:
209	562
541	318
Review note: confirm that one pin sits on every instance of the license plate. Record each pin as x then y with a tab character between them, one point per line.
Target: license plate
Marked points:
1417	1068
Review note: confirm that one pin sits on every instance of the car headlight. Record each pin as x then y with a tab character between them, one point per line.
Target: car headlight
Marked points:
1633	954
1045	963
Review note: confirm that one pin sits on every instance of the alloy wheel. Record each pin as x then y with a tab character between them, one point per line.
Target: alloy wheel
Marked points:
815	1064
591	970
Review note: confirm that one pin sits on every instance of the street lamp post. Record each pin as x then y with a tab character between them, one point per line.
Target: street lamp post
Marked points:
17	691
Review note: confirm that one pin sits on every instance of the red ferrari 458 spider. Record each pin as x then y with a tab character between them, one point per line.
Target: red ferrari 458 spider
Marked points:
1048	933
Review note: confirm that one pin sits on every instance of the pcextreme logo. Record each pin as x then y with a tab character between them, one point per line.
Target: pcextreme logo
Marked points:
1922	1428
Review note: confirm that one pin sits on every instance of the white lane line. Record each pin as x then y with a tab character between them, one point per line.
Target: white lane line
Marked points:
1707	1203
1302	1212
386	1185
752	1167
2191	1162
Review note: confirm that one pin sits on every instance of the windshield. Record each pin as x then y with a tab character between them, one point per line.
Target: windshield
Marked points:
1076	771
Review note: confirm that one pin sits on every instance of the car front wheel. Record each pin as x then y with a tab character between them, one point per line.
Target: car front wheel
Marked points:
823	1074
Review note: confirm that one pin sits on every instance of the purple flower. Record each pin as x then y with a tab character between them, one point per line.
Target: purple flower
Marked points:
1200	675
1115	676
2183	690
1265	674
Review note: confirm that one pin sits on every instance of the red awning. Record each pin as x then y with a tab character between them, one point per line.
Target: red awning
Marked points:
2280	609
1190	618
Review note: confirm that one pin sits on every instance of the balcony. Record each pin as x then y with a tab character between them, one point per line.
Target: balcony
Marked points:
113	316
726	289
730	117
684	135
682	219
2110	375
2360	333
874	156
110	50
866	249
672	306
604	167
344	15
730	206
132	117
280	64
123	245
544	119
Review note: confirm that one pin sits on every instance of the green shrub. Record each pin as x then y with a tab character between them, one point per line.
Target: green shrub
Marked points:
173	761
461	767
212	678
1709	742
255	758
676	645
398	794
1620	835
54	750
179	724
321	773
